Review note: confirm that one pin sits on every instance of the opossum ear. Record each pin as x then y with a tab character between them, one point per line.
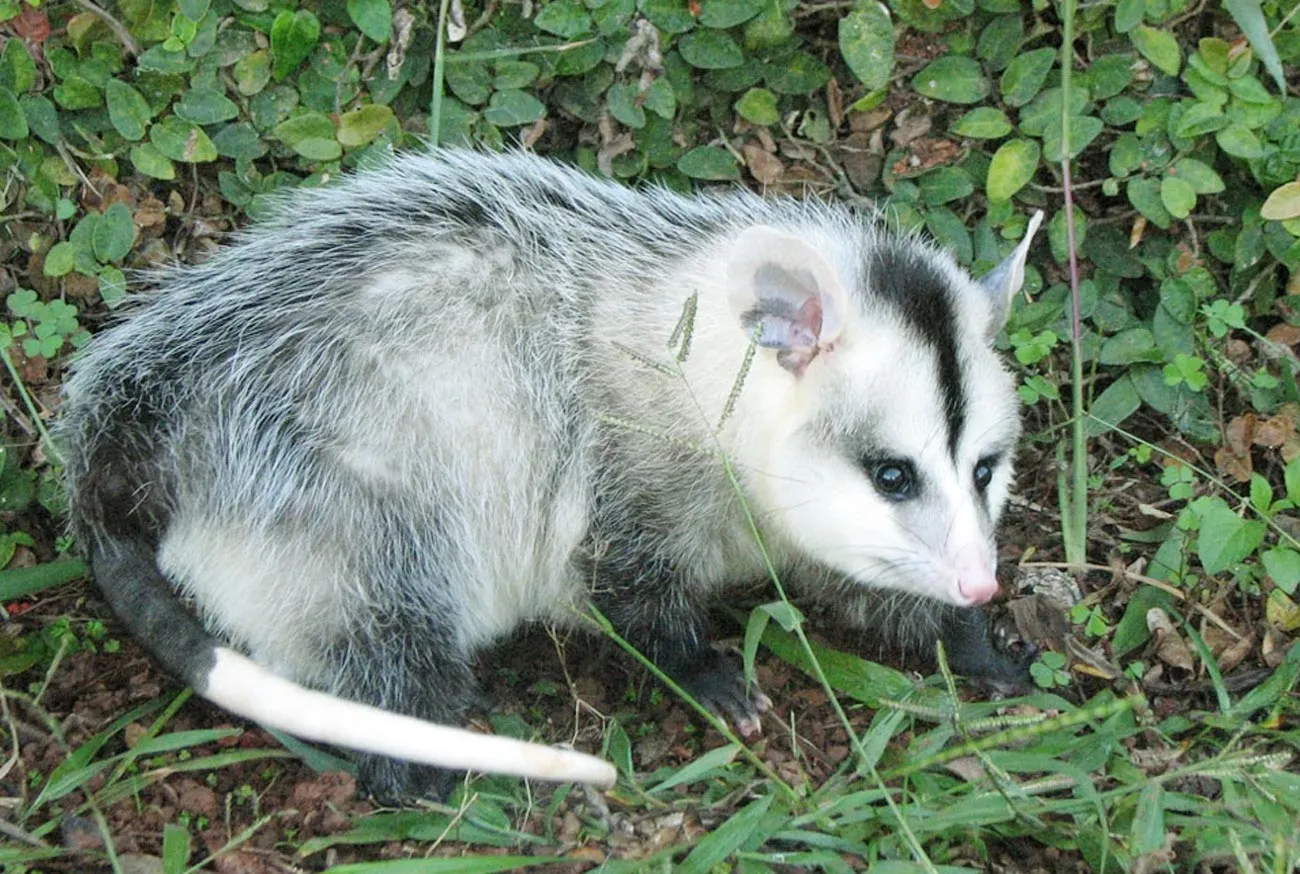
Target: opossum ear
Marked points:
786	291
1002	282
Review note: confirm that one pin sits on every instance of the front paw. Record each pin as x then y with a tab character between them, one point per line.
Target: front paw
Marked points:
716	681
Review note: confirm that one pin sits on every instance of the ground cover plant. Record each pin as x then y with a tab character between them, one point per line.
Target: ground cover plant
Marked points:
1152	550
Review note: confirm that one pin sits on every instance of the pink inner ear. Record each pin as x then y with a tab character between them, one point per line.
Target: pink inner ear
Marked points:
804	336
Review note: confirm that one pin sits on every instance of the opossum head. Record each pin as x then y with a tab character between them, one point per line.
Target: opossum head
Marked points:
880	423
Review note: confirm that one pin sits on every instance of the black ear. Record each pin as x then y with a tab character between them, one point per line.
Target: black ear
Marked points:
1002	282
786	290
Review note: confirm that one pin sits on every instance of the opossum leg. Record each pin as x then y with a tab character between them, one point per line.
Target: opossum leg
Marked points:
673	633
405	664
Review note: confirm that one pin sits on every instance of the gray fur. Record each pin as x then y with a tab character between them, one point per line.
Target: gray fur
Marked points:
387	427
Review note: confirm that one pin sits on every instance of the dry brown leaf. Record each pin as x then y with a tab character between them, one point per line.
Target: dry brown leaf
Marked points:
1274	431
1281	611
765	167
1284	333
1233	654
1137	231
1170	647
1232	465
968	768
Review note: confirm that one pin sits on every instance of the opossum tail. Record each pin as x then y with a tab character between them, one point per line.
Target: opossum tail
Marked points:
145	601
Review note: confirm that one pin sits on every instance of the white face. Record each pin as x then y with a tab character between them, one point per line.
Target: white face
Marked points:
871	486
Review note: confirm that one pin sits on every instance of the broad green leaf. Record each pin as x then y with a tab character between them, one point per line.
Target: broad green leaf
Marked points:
17	70
206	106
1283	565
1282	204
1144	194
867	44
1025	75
670	16
1000	40
127	110
514	74
77	93
660	99
722	14
513	107
61	258
952	79
758	106
622	102
951	232
1109	75
1240	142
146	158
252	72
564	18
710	50
1159	47
798	73
1199	175
944	185
1110	408
720	844
709	163
1083	130
1178	196
1128	14
112	287
373	17
1200	118
293	36
240	141
1225	538
308	125
182	141
319	148
13	124
1149	819
1013	165
113	235
1127	347
360	126
983	123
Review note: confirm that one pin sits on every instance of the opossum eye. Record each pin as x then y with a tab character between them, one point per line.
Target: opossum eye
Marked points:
984	472
894	478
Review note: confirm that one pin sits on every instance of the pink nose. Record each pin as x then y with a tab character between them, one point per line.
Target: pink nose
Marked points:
976	582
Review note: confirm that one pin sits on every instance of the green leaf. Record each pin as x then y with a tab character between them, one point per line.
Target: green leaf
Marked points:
293	36
709	163
1128	347
61	258
670	16
1013	165
867	44
983	123
1250	18
722	14
77	93
112	287
13	124
252	72
17	70
564	18
373	17
1178	196
127	110
1110	408
309	125
1200	176
360	126
1083	130
146	158
622	102
1109	75
720	844
1200	118
798	73
1159	47
944	185
1283	565
660	99
1225	538
513	107
1128	14
1025	75
952	79
240	141
206	106
710	50
1149	819
318	148
182	141
1282	204
114	234
1144	194
758	106
1240	142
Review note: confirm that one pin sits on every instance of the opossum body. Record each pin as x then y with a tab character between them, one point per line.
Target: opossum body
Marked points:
416	410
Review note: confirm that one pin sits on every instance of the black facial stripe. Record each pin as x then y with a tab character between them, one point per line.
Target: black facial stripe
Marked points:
922	295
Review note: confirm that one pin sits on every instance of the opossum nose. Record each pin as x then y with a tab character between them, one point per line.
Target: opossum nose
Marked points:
976	582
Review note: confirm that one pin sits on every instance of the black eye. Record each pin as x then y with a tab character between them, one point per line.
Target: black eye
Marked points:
894	478
984	473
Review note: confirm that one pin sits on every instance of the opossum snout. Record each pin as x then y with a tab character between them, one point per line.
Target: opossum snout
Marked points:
974	581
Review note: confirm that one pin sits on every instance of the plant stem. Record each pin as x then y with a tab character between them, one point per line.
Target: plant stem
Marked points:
1075	526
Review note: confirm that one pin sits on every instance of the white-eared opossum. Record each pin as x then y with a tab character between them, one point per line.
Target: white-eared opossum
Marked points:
415	410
